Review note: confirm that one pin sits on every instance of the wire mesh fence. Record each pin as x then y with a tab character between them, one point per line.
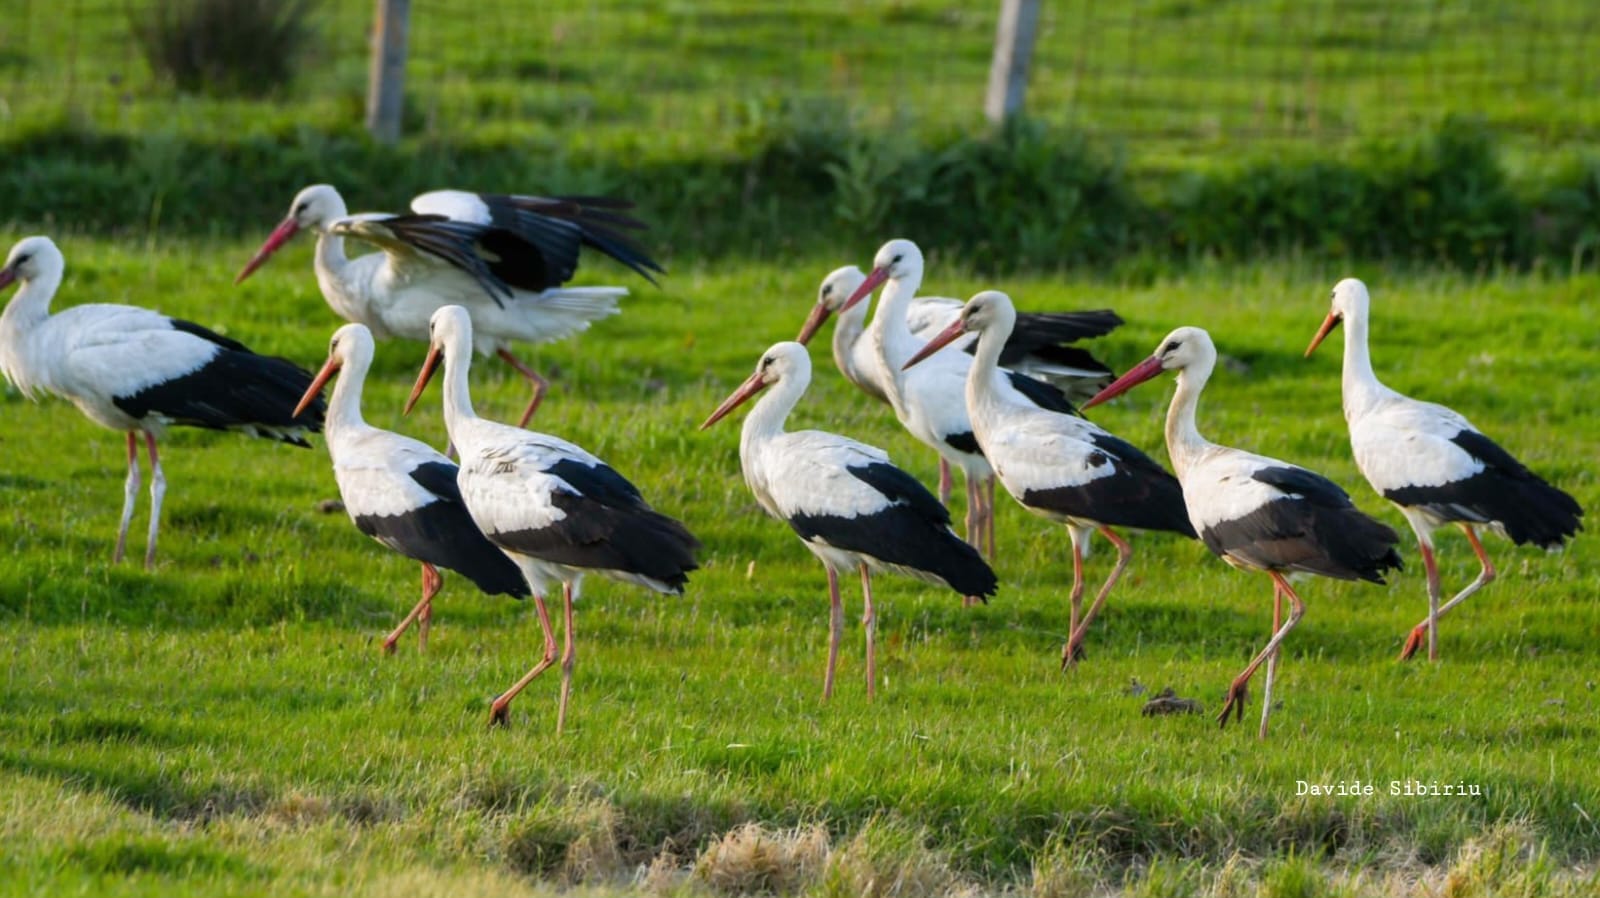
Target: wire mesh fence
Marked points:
1163	76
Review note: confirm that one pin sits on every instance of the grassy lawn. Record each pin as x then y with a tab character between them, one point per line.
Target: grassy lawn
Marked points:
226	723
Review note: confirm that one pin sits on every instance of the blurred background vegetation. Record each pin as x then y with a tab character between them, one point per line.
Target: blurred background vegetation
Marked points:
1458	132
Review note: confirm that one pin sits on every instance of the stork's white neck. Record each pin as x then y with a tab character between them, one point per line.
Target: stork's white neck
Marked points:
846	332
28	309
766	420
1184	442
344	405
896	344
1361	387
982	397
458	413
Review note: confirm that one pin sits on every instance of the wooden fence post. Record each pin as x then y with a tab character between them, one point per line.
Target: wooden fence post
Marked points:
1013	50
386	81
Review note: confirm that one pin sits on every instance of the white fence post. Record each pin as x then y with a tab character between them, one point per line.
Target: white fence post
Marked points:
1013	50
386	81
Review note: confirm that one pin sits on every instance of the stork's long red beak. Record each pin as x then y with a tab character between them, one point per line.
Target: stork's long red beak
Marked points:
940	340
875	279
1328	324
279	236
751	386
428	366
317	383
1136	375
814	321
8	276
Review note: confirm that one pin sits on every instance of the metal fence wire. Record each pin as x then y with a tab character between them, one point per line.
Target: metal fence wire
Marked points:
1159	75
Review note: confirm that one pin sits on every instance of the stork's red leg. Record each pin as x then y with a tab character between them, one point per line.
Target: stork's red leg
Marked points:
869	622
1431	566
158	491
1272	661
569	656
974	528
988	515
1075	598
1124	554
130	495
497	710
1239	689
945	482
540	385
835	630
431	581
1486	575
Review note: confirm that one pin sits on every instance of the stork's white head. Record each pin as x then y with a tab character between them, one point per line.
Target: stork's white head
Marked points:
987	313
836	288
1187	350
33	259
1350	299
313	209
350	347
785	361
899	259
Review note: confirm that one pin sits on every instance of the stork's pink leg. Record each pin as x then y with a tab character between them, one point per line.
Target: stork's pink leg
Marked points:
431	582
1124	553
835	630
540	385
988	515
1075	598
158	491
130	496
869	622
1485	576
1431	566
1239	689
569	656
497	710
945	482
974	521
1272	661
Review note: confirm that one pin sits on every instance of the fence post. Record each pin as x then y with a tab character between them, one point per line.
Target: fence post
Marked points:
1013	50
386	79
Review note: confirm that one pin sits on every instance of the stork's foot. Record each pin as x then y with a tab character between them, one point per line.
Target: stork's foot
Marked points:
1072	652
971	601
1238	692
1415	641
499	713
389	644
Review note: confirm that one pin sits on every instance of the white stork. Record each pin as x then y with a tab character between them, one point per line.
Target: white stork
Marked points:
849	505
400	491
1057	465
556	510
1036	347
928	398
138	371
1258	513
502	258
1437	468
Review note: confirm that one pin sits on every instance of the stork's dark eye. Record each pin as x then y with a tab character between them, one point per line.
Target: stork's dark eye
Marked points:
300	209
828	290
22	259
1171	347
897	259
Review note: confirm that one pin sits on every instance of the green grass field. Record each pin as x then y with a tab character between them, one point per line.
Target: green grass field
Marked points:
225	724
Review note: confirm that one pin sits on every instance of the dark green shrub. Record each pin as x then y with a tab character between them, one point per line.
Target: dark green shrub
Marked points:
248	47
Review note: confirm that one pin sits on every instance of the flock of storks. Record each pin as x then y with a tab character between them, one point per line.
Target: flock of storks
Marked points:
992	390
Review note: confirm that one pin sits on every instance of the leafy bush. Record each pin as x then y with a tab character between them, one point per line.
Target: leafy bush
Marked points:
249	47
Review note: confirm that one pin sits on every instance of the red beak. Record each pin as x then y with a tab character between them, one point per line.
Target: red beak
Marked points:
1328	324
940	340
317	383
875	279
751	386
428	366
279	236
1136	375
8	276
814	321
